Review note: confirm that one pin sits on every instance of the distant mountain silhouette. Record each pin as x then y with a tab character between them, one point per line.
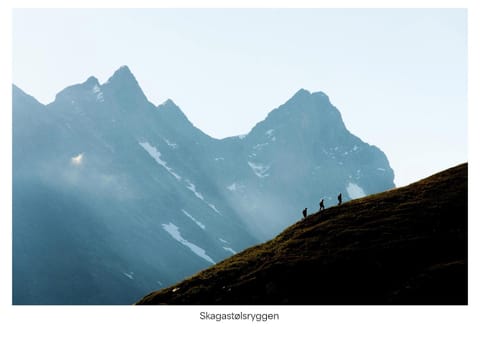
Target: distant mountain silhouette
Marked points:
114	196
404	246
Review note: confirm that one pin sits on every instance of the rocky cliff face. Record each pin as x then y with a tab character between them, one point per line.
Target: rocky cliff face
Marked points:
301	153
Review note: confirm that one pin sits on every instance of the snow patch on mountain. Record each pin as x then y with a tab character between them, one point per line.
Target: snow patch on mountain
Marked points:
232	187
236	187
355	191
96	90
174	232
155	154
193	188
214	208
190	186
260	170
199	224
129	275
269	134
229	249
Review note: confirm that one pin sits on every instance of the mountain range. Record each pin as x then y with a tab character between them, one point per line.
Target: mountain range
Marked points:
114	197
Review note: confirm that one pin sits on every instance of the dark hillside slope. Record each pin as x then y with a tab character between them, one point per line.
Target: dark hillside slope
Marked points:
404	246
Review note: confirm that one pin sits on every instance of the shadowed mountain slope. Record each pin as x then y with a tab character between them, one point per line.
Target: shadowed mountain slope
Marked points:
404	246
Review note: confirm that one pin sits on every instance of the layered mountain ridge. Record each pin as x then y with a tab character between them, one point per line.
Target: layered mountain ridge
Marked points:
114	196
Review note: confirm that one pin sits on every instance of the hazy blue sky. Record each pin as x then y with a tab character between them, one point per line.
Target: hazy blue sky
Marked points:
398	76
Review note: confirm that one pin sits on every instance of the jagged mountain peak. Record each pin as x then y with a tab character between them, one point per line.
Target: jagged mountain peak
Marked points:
304	112
123	78
302	92
84	90
176	119
169	104
122	74
121	88
303	97
124	87
92	81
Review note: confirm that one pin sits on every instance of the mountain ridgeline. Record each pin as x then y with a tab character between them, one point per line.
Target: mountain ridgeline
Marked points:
405	246
114	197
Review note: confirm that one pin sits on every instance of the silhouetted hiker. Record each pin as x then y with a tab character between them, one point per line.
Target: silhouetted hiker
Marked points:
339	198
322	206
304	212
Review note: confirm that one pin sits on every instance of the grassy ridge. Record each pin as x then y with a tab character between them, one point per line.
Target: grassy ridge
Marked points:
404	246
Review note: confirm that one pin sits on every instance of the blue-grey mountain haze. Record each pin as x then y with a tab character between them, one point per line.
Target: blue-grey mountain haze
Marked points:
114	197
